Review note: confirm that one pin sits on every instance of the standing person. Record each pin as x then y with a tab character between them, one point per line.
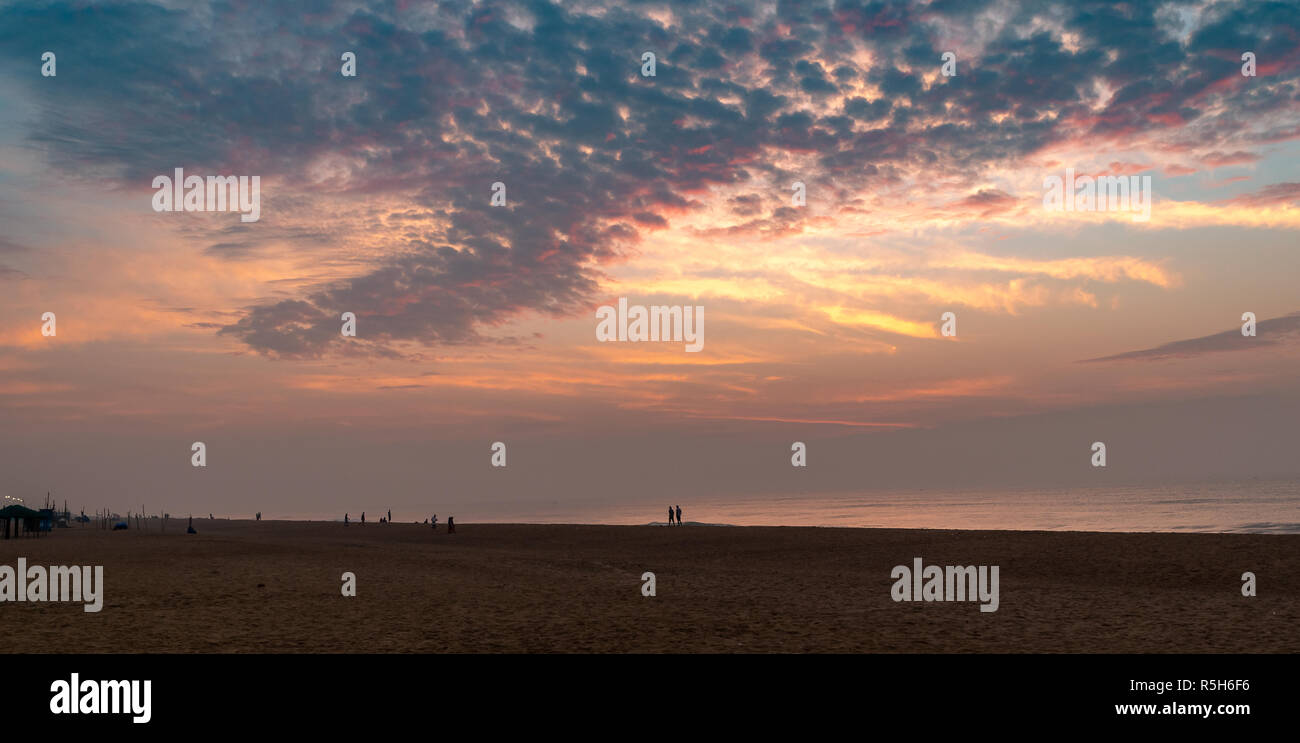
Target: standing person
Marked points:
345	519
679	515
390	516
670	515
363	518
435	522
451	524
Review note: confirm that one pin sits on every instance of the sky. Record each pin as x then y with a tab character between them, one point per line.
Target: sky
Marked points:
923	194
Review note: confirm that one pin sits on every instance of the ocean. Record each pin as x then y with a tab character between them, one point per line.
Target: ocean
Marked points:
1250	506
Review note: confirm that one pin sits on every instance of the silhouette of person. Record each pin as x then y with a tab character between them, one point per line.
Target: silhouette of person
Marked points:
345	519
435	522
390	515
451	524
190	528
670	515
363	517
679	515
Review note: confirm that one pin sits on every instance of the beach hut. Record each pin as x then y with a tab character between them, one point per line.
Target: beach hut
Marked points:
23	519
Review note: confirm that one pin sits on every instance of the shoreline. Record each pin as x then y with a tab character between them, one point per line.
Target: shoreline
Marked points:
696	524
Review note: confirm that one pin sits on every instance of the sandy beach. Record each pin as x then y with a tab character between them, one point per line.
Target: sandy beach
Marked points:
244	586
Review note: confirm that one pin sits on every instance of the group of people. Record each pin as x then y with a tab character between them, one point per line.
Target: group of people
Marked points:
679	515
347	519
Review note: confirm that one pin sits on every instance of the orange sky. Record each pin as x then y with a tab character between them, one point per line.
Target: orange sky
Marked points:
477	323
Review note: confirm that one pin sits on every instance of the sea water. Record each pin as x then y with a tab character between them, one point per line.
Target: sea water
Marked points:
1250	506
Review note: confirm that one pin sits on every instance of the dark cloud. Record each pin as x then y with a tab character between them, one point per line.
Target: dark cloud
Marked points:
230	250
650	219
1269	332
9	246
985	203
746	205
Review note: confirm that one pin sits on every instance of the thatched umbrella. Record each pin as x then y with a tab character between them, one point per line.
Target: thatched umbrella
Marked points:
23	516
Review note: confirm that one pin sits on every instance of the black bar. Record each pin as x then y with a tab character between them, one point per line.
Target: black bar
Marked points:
973	693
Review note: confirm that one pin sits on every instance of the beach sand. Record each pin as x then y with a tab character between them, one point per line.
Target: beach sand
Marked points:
244	586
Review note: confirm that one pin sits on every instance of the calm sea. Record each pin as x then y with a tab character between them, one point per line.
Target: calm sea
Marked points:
1249	506
1254	506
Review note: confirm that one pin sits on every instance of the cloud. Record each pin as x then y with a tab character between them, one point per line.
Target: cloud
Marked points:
984	204
1271	195
1219	159
9	246
230	250
547	98
1269	332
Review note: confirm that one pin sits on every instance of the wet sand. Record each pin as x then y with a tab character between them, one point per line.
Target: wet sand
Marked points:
244	586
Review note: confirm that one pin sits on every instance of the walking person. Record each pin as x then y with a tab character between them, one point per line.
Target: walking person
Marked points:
679	515
451	524
670	515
